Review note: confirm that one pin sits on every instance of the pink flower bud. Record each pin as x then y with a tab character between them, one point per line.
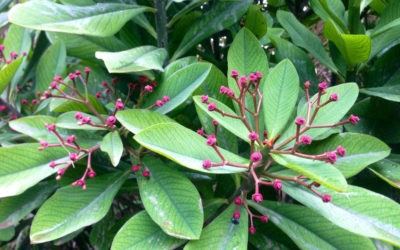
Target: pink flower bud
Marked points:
332	157
34	102
236	215
91	174
211	140
207	163
259	75
143	79
146	173
73	156
44	144
78	115
307	84
71	76
252	230
98	95
24	102
300	121
305	139
135	168
104	84
200	131
159	103
119	105
223	90
230	93
253	136
53	85
2	47
326	198
38	93
50	127
354	119
115	80
204	98
264	218
85	120
253	77
277	184
334	97
80	182
340	150
46	94
108	91
61	171
52	164
214	123
58	79
3	108
13	55
24	53
148	88
257	197
111	120
237	201
71	138
322	86
234	73
212	106
256	157
87	70
132	85
77	73
165	98
154	84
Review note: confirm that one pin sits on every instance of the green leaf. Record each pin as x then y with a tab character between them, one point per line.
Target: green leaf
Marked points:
134	60
333	10
77	208
67	120
52	63
34	126
358	210
27	167
186	148
221	16
171	200
246	56
135	120
179	86
85	47
391	93
354	48
362	150
140	232
303	64
112	145
234	125
63	105
318	171
103	19
7	234
388	170
221	233
255	21
7	73
13	209
304	38
17	40
308	229
279	97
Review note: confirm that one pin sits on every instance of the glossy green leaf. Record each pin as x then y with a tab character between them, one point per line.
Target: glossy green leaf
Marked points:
358	210
388	170
52	63
63	105
112	145
27	167
186	148
135	120
140	232
78	208
303	64
246	56
7	73
67	120
171	200
354	48
221	233
34	126
234	125
86	46
134	60
13	209
179	86
7	234
17	40
304	38
221	16
332	9
391	93
279	97
361	151
255	21
97	20
318	171
308	229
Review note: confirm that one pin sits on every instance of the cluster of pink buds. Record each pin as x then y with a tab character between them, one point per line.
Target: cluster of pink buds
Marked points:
239	202
136	168
248	87
77	154
12	57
